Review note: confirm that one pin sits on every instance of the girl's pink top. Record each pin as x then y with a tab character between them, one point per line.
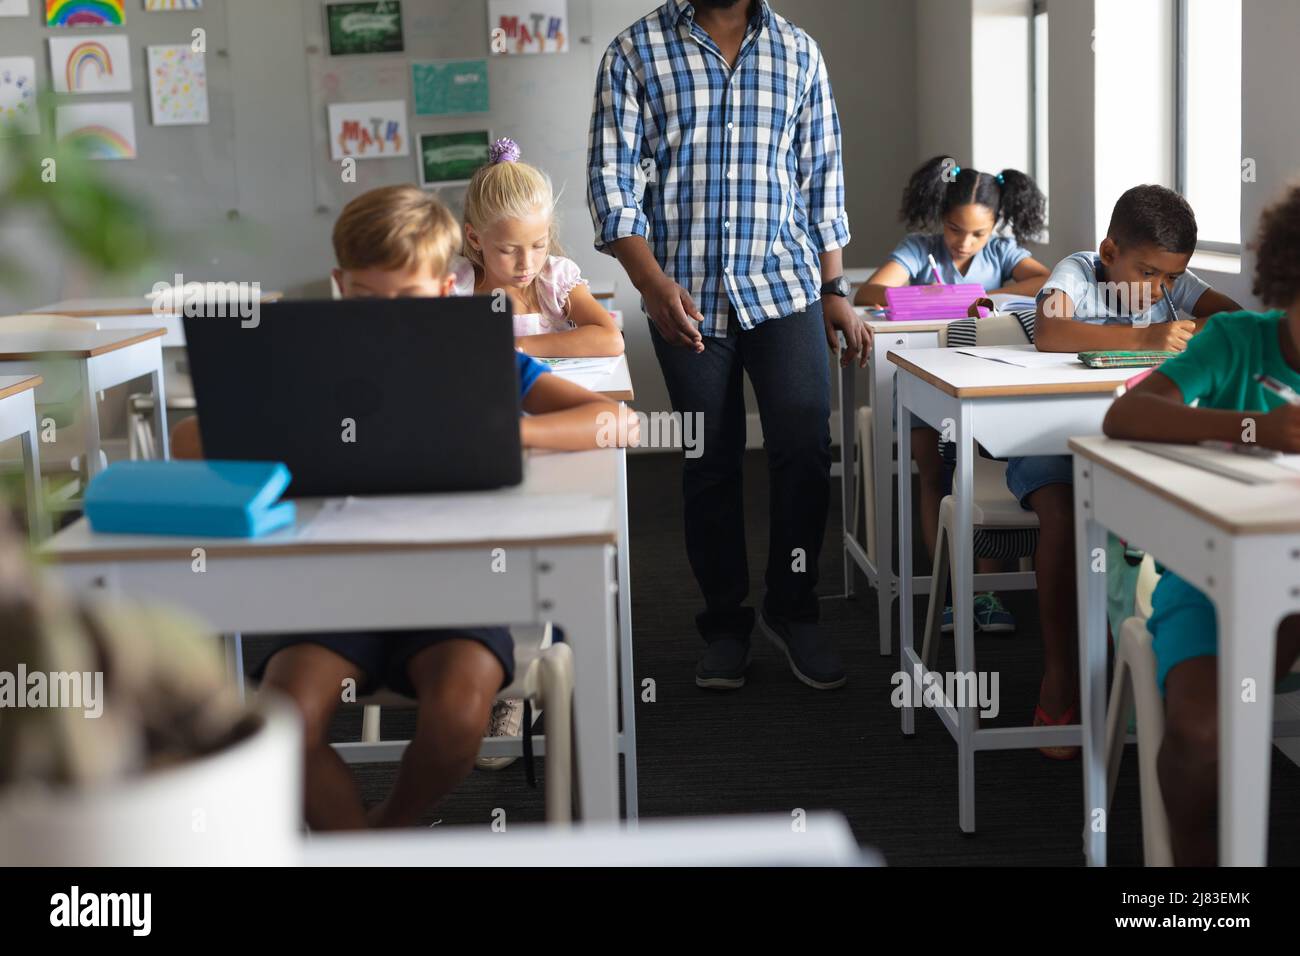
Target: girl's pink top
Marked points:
557	278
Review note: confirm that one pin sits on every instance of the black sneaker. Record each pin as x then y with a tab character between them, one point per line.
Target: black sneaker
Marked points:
722	665
813	656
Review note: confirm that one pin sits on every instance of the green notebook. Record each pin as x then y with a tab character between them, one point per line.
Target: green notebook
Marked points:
1122	359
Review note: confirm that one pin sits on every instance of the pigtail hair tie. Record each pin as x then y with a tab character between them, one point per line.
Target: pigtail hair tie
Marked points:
1000	179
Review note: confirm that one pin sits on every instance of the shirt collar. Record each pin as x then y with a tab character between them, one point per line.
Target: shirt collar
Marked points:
685	9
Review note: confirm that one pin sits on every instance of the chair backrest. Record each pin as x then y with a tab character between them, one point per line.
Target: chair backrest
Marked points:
1147	580
41	322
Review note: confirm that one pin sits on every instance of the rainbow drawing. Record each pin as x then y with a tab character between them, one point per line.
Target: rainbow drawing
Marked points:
98	131
85	13
100	142
91	55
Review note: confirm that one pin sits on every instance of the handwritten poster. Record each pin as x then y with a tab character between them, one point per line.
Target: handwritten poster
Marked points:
369	130
364	27
528	26
450	87
448	159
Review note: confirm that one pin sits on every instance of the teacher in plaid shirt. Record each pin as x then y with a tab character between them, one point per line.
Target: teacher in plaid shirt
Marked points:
714	175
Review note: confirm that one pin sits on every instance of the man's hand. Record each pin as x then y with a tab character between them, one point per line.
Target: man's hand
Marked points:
1280	429
840	317
674	314
1168	336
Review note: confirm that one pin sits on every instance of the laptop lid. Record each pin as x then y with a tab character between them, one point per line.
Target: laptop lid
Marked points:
363	396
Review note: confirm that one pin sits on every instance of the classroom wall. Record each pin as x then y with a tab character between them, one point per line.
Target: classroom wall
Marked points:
259	188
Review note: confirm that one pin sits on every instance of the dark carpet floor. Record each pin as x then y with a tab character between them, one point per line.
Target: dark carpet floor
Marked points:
777	745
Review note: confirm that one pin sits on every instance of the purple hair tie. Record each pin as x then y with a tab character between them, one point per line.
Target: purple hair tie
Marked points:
503	151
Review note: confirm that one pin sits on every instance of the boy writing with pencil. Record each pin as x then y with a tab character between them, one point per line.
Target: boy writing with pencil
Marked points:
1127	296
1243	370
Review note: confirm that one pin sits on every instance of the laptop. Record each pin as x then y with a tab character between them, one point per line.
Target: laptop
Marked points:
363	396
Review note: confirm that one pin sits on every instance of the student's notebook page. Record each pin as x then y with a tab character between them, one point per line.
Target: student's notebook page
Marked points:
1024	356
587	372
452	518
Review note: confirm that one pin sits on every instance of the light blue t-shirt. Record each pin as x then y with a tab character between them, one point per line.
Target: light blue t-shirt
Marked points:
991	267
1097	304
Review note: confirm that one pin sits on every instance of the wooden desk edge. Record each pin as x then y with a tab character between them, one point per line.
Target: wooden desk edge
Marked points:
1194	507
26	385
116	345
215	549
993	391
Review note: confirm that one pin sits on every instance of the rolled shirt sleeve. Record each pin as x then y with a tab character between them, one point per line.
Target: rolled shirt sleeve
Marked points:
821	161
615	180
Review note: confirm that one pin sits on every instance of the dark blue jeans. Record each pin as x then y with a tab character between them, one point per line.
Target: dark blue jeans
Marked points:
787	362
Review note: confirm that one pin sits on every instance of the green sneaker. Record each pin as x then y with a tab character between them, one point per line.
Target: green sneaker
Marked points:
991	617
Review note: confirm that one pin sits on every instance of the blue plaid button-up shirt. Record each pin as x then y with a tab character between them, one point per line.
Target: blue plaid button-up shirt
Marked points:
733	176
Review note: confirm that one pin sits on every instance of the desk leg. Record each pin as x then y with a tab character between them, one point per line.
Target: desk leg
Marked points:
848	405
90	422
37	522
1089	536
1248	623
905	636
160	410
883	474
961	547
576	589
627	675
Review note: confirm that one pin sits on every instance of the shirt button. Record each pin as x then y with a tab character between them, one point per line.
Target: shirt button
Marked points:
727	270
730	125
730	173
726	224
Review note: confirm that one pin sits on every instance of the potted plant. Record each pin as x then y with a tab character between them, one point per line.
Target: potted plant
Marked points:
121	739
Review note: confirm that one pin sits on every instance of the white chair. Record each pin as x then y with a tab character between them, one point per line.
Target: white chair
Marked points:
1134	689
544	676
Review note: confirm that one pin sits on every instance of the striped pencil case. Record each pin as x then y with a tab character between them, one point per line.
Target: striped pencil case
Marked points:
1121	359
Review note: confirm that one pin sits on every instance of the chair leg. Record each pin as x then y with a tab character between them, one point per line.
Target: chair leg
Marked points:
370	724
938	586
556	691
1117	718
1157	850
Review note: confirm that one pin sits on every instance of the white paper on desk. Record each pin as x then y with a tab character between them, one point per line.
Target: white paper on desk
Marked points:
1290	462
456	517
1024	356
597	363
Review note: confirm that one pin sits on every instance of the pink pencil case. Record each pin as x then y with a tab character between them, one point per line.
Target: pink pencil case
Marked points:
933	303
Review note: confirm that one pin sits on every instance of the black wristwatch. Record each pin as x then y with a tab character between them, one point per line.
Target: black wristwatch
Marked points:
837	286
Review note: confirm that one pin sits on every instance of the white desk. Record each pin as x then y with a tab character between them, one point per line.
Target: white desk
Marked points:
289	583
880	396
1010	411
1238	543
18	420
104	358
129	312
616	385
767	840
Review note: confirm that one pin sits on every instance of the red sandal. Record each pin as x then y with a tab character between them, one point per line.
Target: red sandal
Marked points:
1041	719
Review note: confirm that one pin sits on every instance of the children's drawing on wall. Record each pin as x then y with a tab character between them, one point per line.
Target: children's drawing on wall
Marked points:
178	86
18	96
369	130
14	8
85	13
99	64
97	130
528	26
364	27
163	6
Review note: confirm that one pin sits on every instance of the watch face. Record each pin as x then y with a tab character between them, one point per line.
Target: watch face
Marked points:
839	286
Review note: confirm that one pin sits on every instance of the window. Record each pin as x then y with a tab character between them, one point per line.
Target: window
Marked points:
1208	139
1038	96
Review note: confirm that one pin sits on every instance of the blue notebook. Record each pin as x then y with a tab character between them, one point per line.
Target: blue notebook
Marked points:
223	499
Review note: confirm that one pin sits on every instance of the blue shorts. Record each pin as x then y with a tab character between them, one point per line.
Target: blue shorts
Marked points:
1027	475
1183	625
382	658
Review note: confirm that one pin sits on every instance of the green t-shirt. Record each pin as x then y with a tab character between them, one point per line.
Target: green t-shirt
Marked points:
1222	360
